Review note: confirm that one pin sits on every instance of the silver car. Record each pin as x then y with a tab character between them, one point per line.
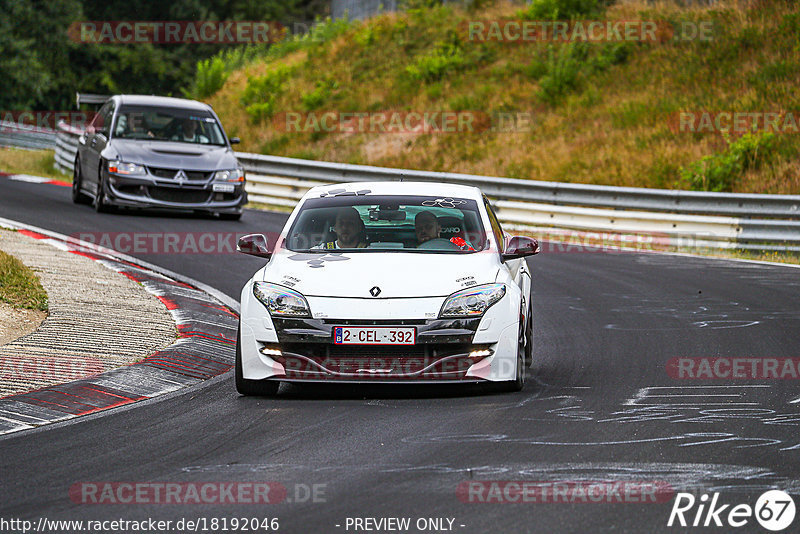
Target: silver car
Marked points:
158	152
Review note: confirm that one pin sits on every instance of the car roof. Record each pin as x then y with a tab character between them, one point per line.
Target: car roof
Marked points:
165	101
439	189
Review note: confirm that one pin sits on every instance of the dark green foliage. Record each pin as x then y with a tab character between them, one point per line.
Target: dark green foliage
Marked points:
562	9
719	172
43	64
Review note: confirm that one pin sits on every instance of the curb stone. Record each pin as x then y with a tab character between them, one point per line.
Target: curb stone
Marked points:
205	348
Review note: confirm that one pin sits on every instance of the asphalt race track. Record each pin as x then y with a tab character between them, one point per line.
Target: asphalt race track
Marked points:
602	405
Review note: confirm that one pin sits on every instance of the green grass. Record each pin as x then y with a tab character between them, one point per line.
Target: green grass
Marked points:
19	286
33	162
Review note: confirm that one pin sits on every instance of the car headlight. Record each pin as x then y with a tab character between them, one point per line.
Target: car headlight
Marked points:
120	167
472	302
232	175
281	300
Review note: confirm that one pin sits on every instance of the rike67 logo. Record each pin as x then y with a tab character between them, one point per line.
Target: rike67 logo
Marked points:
774	510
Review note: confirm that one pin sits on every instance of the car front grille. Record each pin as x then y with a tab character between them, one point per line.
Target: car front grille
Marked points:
183	196
170	174
316	361
376	351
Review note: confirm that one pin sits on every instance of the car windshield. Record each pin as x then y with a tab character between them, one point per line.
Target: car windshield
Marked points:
168	124
371	223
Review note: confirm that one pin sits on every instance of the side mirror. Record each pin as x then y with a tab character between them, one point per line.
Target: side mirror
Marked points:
520	246
235	140
255	245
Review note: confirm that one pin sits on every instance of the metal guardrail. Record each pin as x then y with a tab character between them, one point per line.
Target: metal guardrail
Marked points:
690	218
558	193
12	134
66	147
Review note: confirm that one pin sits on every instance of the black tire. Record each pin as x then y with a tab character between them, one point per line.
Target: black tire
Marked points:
529	337
251	387
519	382
78	197
100	204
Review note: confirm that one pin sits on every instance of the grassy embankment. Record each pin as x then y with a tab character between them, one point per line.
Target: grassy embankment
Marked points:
19	285
601	111
33	162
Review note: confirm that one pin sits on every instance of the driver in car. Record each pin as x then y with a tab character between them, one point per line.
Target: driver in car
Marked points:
350	231
427	227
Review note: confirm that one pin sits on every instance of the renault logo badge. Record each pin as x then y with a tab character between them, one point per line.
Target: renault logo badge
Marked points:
375	291
181	176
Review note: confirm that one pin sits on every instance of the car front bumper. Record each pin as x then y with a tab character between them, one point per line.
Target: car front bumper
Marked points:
445	350
147	192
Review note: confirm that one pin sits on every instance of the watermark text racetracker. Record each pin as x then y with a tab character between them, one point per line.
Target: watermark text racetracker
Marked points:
552	240
736	122
45	120
176	32
403	122
593	31
727	368
184	493
564	491
167	242
35	368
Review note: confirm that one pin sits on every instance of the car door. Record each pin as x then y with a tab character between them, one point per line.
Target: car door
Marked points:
517	268
96	140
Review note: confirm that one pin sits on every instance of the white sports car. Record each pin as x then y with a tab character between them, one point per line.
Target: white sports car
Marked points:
389	282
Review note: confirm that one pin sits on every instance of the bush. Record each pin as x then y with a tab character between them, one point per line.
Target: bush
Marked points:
274	145
319	95
719	172
261	93
209	78
432	66
562	9
212	73
563	71
535	69
611	54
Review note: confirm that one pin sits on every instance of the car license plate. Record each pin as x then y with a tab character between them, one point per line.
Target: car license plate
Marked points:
350	335
223	188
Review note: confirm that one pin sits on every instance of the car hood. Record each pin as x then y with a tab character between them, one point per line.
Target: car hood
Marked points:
172	155
398	275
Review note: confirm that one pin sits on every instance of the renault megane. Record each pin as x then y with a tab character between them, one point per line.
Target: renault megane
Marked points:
387	282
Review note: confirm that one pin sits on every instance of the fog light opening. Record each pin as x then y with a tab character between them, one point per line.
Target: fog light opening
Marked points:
480	353
271	352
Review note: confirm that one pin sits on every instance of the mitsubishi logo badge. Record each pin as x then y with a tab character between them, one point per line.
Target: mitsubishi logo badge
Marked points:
181	176
375	291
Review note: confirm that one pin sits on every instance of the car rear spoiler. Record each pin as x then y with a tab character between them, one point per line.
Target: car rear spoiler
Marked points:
90	99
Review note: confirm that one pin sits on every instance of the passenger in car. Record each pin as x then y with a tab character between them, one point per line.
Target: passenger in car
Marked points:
426	226
350	231
188	133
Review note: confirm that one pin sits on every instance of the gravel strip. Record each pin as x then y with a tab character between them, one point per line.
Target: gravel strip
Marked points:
98	320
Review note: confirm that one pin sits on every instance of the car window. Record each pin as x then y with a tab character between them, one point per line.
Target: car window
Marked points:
103	117
168	124
388	223
496	228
